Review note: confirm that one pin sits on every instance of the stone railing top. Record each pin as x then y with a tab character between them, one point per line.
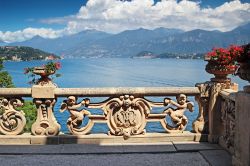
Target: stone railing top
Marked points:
105	91
23	92
228	94
137	91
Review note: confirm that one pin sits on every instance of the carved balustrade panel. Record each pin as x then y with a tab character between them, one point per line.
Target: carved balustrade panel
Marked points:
126	115
12	121
45	123
228	119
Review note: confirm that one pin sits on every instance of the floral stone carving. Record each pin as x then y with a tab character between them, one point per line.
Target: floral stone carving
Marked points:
228	119
12	121
126	115
76	115
176	114
45	123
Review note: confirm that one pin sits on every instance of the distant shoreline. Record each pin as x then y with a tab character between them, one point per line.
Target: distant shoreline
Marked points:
142	58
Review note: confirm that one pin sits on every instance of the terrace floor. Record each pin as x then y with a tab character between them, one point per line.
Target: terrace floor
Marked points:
119	154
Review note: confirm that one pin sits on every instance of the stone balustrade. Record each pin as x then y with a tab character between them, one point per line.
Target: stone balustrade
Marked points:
126	111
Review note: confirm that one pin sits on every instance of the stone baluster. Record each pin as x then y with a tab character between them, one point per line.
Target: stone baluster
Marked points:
200	125
45	123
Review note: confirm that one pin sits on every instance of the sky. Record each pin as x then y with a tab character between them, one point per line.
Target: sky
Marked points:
23	19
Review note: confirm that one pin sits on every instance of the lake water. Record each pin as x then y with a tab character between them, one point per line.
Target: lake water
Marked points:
121	72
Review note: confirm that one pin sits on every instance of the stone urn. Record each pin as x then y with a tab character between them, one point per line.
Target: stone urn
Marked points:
244	73
44	80
220	71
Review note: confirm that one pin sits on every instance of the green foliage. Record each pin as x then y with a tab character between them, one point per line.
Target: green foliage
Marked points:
28	108
30	113
5	78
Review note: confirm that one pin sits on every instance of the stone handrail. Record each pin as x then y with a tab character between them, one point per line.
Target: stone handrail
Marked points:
228	94
139	91
15	92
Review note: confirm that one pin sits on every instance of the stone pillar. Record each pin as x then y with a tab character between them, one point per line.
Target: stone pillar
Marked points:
45	100
209	101
242	130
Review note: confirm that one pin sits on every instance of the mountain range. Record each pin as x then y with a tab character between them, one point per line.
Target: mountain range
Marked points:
93	43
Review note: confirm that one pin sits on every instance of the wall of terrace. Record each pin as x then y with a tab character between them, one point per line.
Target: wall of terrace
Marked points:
223	115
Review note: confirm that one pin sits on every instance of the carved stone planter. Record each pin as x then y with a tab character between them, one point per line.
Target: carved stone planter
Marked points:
244	73
220	71
44	75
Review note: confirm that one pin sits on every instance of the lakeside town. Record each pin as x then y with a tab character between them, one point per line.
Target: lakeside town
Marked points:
21	53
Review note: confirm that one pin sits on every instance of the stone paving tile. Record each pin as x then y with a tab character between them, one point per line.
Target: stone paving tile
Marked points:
87	148
149	149
159	159
153	148
29	149
217	157
90	148
195	146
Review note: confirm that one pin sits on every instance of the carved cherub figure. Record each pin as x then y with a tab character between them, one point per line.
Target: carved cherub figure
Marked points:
76	116
177	114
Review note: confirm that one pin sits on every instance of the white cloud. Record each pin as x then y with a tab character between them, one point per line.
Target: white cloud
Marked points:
115	16
28	33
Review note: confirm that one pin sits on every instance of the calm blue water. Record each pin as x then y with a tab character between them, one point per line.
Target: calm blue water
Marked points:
121	72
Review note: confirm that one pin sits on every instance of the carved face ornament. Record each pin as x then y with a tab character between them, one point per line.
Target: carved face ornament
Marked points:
182	99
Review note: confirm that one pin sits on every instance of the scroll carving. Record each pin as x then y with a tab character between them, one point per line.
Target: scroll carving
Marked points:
179	120
45	123
12	121
77	115
127	115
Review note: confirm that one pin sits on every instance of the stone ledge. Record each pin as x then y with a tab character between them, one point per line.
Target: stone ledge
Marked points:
148	138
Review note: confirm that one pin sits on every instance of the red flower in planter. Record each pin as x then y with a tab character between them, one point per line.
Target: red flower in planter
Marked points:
58	65
225	56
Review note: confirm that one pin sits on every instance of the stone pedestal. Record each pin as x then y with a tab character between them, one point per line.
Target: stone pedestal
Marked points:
242	130
44	100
